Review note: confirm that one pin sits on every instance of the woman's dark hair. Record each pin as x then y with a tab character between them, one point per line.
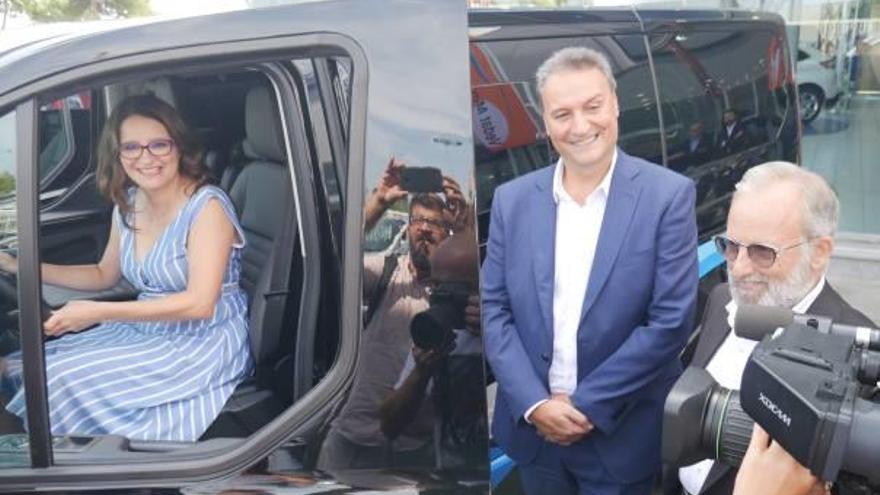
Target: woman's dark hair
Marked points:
112	179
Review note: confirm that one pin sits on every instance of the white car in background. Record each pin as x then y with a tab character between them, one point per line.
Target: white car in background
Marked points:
817	82
388	236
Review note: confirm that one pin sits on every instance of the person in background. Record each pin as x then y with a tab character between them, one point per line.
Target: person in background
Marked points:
732	137
443	380
395	290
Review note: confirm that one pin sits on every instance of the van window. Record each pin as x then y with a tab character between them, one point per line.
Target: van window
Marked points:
723	107
509	136
703	74
64	143
13	442
340	72
328	84
7	159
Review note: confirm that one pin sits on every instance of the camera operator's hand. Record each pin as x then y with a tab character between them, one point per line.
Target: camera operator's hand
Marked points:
558	421
472	318
386	193
428	359
767	469
458	215
402	404
389	190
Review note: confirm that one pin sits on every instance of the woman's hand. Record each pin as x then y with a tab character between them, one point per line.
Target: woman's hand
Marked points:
8	263
74	316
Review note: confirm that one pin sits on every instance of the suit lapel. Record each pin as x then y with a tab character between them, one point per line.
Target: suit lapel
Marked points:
713	327
714	338
718	470
828	303
620	207
543	222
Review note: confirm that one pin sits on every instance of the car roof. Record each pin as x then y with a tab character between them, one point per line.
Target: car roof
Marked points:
55	52
82	44
501	17
14	39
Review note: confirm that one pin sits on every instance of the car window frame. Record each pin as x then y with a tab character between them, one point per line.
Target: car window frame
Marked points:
29	282
210	458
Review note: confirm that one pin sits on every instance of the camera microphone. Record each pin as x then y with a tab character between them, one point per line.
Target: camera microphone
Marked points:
753	322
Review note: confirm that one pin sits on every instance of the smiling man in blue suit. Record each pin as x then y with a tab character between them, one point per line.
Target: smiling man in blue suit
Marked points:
588	291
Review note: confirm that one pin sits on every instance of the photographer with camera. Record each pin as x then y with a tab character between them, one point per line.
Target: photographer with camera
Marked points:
395	290
779	240
442	377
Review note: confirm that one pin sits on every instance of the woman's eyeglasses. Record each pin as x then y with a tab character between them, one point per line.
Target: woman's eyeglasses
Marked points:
761	255
132	150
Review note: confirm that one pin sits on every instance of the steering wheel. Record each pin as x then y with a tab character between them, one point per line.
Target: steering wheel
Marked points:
9	292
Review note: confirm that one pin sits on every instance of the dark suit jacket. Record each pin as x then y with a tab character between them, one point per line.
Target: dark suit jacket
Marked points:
713	331
737	141
682	157
635	318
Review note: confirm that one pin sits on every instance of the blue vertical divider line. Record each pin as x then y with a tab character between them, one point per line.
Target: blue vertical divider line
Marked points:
709	258
501	465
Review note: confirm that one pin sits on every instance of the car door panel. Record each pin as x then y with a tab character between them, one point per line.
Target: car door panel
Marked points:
410	99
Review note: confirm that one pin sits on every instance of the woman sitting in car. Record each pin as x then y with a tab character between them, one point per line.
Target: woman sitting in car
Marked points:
160	367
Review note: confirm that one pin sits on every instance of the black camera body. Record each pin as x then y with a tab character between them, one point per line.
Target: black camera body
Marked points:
804	386
432	329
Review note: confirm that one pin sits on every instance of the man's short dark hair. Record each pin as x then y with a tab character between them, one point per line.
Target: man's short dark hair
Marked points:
428	201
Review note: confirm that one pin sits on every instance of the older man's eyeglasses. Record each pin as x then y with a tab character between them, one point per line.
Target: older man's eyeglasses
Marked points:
761	255
132	150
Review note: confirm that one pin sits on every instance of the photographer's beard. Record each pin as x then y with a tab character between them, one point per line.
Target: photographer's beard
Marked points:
420	251
785	293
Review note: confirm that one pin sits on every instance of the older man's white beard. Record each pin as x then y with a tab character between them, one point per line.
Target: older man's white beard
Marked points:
784	293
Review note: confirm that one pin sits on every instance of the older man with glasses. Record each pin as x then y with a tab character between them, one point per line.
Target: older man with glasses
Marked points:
780	235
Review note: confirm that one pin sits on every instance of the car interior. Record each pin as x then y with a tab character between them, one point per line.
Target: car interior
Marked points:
237	116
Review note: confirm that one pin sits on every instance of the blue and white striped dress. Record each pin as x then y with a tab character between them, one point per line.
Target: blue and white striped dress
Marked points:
159	380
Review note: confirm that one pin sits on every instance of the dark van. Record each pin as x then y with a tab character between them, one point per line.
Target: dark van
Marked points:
300	110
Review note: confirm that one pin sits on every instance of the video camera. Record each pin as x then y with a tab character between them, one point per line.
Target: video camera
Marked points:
803	385
432	329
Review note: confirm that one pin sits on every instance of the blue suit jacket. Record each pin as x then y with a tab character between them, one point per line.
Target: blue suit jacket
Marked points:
637	311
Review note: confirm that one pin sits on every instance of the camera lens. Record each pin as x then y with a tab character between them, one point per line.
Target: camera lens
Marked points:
726	428
723	429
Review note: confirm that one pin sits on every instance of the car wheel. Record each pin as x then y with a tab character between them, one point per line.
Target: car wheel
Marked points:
811	100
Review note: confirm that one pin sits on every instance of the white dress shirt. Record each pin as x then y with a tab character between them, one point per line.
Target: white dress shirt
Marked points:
726	367
729	129
577	233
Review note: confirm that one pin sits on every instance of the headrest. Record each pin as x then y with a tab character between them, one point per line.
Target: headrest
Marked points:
262	127
159	87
